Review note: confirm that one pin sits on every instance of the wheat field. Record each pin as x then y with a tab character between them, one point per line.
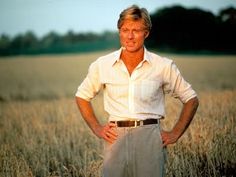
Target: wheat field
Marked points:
42	133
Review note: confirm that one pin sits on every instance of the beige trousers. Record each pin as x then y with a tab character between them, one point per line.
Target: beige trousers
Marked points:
138	152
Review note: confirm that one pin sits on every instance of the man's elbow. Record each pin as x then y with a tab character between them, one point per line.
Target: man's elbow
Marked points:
80	100
194	102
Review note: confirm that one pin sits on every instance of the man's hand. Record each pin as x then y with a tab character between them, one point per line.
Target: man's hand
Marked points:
168	138
188	111
107	132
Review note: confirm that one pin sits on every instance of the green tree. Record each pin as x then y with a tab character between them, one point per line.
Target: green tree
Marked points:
227	29
4	44
182	29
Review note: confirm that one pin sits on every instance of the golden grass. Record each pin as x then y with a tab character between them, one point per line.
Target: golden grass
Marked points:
43	136
46	138
208	148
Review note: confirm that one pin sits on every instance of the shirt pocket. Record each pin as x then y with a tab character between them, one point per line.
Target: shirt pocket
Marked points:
148	90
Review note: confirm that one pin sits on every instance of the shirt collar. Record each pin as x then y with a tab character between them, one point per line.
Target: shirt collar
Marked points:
116	58
147	56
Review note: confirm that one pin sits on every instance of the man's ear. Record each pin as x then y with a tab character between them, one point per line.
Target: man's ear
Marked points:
147	34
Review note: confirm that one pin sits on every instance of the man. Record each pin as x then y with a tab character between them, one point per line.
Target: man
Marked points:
134	82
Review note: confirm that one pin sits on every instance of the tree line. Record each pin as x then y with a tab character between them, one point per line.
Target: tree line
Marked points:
179	29
52	42
175	29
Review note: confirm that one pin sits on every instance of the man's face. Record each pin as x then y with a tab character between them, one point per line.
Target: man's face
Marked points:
132	35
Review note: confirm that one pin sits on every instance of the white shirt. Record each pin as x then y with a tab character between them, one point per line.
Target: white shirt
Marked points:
139	96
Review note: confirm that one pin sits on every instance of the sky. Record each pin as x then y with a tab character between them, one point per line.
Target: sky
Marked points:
43	16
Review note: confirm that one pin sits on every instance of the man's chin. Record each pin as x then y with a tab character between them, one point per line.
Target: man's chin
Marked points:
130	49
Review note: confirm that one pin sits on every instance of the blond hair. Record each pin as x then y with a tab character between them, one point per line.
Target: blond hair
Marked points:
135	13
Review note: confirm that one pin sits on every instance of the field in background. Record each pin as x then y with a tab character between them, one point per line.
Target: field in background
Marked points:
57	76
43	134
42	77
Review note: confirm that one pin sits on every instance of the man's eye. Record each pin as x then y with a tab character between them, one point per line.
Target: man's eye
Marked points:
125	30
136	31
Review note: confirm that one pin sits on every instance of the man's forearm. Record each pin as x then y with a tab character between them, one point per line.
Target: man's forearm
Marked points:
188	111
87	113
107	132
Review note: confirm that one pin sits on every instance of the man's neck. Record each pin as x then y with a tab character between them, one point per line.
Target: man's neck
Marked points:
132	59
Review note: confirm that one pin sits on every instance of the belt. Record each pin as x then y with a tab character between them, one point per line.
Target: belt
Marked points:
135	123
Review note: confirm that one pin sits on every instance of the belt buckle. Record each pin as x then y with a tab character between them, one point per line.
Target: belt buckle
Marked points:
136	123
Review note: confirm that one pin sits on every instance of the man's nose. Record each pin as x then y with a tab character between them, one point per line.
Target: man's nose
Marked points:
131	35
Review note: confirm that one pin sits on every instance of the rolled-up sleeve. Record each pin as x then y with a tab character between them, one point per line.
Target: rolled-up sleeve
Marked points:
91	84
175	84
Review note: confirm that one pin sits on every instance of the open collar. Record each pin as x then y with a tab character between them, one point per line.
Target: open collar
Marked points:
116	57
